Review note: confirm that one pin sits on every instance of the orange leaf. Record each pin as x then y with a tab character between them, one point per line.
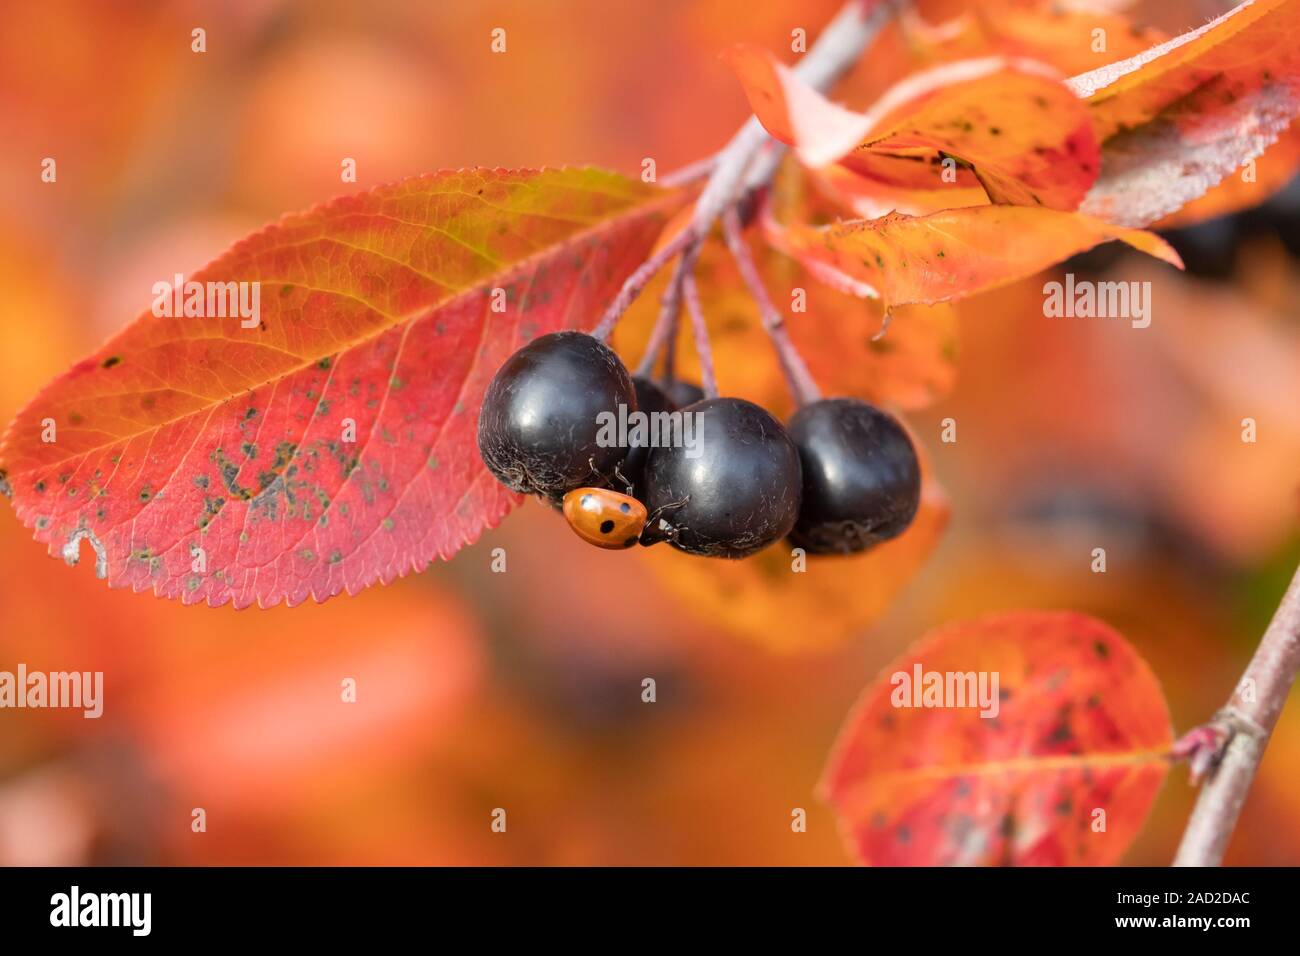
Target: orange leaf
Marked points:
870	198
1026	136
1248	48
911	367
331	444
951	254
1061	771
1179	117
1063	37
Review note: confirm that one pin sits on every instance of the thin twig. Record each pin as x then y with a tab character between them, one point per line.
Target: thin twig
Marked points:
665	326
638	280
797	377
690	173
834	52
703	348
1245	723
670	351
830	57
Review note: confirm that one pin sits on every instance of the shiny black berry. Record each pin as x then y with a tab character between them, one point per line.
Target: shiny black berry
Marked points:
684	393
650	398
729	492
541	418
861	479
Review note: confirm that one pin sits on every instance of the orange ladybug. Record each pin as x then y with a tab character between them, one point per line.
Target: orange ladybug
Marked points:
604	518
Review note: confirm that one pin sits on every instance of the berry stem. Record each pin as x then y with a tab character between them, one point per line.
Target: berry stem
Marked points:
670	352
665	327
690	173
731	181
797	377
638	280
1237	735
703	347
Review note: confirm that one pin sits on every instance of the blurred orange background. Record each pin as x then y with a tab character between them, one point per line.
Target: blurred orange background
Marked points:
522	690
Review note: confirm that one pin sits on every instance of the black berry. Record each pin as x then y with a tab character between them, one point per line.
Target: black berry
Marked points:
734	492
861	478
650	398
541	416
684	393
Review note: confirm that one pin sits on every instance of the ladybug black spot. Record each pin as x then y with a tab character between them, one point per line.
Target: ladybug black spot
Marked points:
606	526
625	508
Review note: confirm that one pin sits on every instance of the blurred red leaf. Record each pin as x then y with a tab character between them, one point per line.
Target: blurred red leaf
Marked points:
194	431
1081	726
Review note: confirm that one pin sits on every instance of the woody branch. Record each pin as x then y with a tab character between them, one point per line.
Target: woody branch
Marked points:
1229	748
746	165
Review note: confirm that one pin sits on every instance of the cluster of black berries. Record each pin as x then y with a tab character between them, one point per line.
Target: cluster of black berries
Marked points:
840	478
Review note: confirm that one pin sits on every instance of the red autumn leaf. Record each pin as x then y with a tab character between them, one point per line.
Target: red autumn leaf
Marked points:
1178	118
949	255
1081	726
333	445
1025	135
